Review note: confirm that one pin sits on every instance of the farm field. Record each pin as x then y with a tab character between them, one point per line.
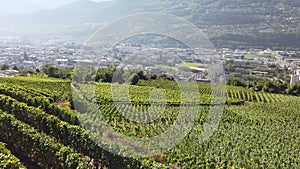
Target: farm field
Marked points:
39	127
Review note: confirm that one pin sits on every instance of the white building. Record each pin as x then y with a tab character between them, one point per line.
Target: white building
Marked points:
296	77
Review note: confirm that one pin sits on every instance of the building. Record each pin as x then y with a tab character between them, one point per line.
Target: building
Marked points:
295	77
8	73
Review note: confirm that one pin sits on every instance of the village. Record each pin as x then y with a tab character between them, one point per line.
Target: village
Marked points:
172	61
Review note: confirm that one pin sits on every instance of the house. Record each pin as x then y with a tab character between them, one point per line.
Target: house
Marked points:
259	73
294	79
8	73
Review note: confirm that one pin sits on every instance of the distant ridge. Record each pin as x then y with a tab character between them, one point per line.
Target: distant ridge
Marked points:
230	23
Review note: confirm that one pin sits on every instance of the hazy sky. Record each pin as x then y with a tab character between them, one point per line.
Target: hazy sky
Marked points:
16	7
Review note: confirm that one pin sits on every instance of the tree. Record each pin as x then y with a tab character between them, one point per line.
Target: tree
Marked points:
294	89
15	68
154	76
4	67
50	71
135	79
25	72
141	75
235	82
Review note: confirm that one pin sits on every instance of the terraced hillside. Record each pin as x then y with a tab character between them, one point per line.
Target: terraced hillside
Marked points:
242	23
38	127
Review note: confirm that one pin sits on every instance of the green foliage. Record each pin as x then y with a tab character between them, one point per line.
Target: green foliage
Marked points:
234	95
29	141
235	82
38	100
135	79
58	73
4	67
257	129
108	75
264	85
248	136
105	75
56	89
25	72
294	89
15	68
74	136
7	160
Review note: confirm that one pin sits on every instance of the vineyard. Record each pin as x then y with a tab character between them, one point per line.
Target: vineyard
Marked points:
40	128
232	92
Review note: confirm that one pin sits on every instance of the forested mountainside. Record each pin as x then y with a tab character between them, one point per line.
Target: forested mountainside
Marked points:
242	23
230	23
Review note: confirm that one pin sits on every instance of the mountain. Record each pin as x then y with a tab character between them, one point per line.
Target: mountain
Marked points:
230	23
